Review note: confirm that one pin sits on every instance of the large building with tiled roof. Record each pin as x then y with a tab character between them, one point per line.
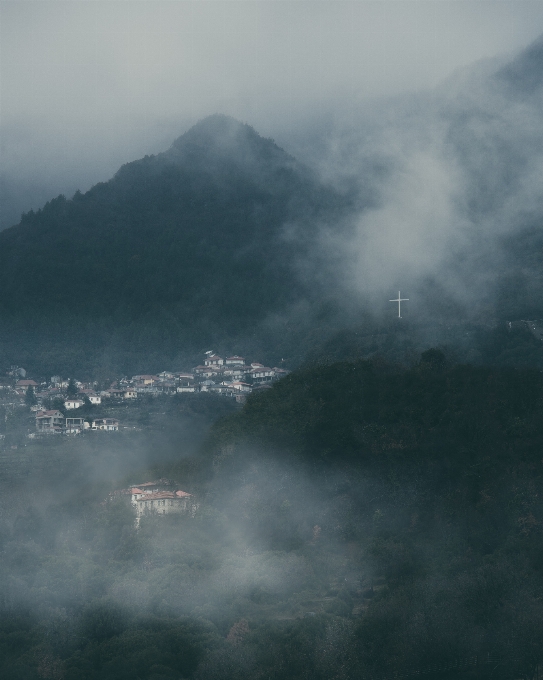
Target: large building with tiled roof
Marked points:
26	384
161	498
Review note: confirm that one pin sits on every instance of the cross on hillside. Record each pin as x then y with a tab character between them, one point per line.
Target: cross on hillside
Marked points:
399	300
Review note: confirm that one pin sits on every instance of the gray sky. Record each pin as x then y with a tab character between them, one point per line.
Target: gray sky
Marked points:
86	86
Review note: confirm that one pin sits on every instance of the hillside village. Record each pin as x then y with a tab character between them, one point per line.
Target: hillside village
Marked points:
60	405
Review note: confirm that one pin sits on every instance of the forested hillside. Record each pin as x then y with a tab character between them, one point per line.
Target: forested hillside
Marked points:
227	241
355	520
196	245
432	477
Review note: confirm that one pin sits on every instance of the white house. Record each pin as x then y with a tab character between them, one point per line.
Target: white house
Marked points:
91	396
223	388
76	402
186	387
262	374
162	502
235	361
241	387
213	360
185	376
235	371
107	424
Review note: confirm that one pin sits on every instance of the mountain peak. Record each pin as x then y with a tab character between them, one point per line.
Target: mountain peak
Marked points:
220	132
219	139
217	128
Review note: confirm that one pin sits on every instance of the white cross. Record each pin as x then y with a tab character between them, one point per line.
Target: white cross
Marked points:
399	300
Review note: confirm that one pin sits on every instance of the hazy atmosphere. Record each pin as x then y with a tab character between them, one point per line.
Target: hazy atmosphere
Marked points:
226	451
88	86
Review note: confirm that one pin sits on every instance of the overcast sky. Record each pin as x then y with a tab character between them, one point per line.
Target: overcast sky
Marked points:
86	86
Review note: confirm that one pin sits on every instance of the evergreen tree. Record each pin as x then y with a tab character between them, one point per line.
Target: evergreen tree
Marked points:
72	388
30	398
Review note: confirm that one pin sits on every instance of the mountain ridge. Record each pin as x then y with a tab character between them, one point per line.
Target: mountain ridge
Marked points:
197	243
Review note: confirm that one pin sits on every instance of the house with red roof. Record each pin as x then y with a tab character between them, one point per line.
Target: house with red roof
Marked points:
161	498
25	384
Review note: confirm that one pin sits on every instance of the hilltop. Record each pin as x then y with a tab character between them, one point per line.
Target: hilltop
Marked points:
177	250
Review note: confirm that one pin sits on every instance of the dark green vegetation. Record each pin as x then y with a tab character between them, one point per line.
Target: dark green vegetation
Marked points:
516	345
356	520
438	471
226	242
197	245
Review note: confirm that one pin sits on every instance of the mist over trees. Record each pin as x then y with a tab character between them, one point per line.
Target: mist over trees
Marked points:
226	239
197	245
375	514
358	519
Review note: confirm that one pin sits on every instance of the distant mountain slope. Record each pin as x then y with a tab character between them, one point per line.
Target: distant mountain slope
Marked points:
208	235
226	240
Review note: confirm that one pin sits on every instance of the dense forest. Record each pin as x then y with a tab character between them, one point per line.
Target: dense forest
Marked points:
200	244
227	241
358	519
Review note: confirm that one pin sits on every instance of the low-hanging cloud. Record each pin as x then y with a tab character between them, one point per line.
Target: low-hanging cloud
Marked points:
452	174
86	87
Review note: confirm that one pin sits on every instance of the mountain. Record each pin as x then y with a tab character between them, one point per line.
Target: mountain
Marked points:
192	246
226	241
